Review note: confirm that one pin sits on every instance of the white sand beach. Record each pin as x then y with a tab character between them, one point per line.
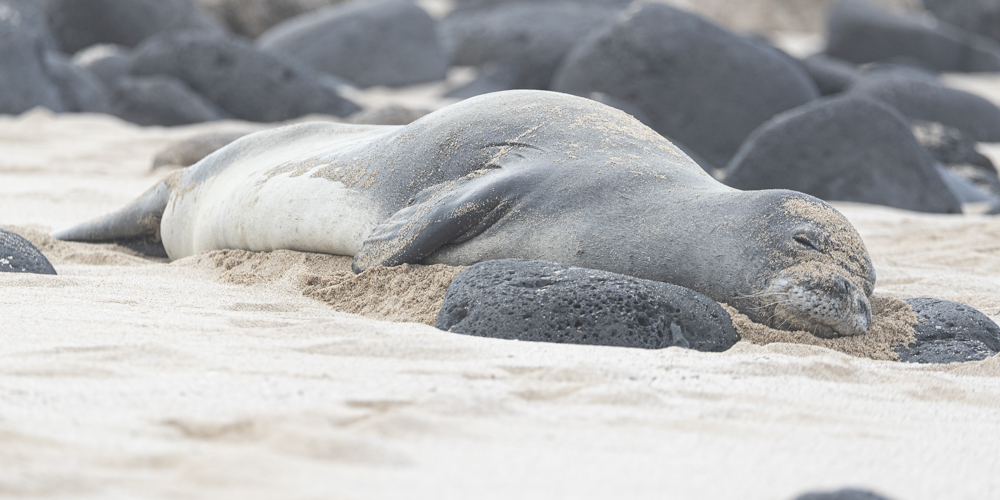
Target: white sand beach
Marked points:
231	375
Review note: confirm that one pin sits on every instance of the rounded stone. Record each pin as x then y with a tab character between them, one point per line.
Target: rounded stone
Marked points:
18	255
950	332
697	82
379	42
546	302
78	24
844	149
234	75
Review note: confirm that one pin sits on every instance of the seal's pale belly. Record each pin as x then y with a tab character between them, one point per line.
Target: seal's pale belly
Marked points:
249	206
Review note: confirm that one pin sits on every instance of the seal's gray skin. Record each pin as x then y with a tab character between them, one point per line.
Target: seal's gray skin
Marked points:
519	174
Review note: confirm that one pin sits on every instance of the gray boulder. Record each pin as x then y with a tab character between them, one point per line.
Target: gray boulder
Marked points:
377	42
844	494
531	39
953	149
78	24
18	255
830	75
845	149
108	62
546	302
861	33
925	99
79	90
697	82
234	75
161	100
949	332
24	40
460	5
976	16
251	18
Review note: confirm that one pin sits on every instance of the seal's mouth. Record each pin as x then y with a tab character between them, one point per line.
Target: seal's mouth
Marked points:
826	305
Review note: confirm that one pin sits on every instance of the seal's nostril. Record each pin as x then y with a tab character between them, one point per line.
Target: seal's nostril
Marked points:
842	284
864	309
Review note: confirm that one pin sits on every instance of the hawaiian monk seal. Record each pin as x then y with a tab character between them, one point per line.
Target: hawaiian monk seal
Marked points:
522	174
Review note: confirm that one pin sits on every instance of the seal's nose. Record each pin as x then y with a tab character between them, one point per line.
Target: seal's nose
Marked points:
861	309
864	311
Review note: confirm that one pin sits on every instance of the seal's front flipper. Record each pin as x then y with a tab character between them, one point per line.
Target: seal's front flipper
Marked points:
135	226
447	213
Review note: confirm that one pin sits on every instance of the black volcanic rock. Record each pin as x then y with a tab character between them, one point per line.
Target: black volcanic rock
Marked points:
18	255
377	42
976	16
922	98
79	89
949	332
78	24
697	82
546	302
860	32
528	39
24	79
108	62
160	100
845	149
234	75
830	75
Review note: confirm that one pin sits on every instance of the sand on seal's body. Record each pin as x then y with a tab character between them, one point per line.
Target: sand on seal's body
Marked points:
132	377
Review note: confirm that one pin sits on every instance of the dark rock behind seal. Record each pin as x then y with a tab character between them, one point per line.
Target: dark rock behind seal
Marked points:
18	255
922	97
950	332
697	82
527	39
161	100
24	79
977	16
546	302
845	149
78	24
862	33
378	42
243	81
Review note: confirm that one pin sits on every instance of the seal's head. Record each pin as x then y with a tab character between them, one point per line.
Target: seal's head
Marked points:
819	276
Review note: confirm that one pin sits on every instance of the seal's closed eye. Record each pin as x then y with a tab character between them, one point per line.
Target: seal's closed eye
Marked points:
804	240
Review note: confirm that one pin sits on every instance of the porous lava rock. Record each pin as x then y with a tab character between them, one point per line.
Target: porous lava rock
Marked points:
697	82
860	32
845	149
531	39
546	302
950	332
18	255
377	42
248	83
78	24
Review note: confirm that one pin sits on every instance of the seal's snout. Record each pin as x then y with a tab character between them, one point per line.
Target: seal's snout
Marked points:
828	305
